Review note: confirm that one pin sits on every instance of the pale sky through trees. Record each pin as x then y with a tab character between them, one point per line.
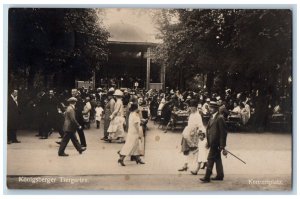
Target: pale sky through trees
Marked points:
130	24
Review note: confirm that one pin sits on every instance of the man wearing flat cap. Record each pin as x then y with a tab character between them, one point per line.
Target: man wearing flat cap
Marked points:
69	128
216	142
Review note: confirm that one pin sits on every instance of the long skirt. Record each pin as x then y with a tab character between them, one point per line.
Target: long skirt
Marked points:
106	125
116	128
133	145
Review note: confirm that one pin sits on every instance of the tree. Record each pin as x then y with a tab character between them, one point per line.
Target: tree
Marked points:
64	44
229	45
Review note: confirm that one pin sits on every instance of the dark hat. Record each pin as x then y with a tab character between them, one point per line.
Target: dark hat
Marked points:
72	99
202	133
193	103
111	91
133	107
213	104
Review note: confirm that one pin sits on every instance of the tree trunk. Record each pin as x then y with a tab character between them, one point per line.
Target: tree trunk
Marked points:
223	84
30	80
209	82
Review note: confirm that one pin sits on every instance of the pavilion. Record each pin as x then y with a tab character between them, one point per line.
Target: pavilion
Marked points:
129	61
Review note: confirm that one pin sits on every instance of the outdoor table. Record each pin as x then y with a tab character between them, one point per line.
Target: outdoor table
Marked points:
178	118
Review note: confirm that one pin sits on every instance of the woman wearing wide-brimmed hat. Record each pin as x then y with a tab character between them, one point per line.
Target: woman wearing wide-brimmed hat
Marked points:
116	126
135	134
190	134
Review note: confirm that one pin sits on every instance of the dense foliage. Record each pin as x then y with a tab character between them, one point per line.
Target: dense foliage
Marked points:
54	46
239	49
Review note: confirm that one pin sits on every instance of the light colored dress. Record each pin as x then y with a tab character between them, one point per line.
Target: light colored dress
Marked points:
99	111
131	146
190	131
246	113
87	112
202	151
160	106
116	126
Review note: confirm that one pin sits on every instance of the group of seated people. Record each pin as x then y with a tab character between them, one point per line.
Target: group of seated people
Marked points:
164	109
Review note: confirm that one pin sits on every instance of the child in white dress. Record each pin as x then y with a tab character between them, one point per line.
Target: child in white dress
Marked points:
99	112
202	153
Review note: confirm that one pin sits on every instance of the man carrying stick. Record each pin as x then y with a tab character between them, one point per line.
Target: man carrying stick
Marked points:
216	142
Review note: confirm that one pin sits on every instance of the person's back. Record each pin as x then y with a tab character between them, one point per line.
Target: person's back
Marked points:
52	104
195	120
216	132
109	107
70	122
78	111
166	112
133	120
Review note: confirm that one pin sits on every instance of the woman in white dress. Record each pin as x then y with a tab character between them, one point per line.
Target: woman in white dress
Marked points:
189	143
116	126
135	133
245	112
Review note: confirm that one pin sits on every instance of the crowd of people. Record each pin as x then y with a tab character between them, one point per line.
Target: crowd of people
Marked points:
125	114
43	110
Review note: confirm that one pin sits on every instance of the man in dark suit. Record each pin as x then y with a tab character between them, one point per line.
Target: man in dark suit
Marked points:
216	142
79	117
50	113
42	115
69	128
12	118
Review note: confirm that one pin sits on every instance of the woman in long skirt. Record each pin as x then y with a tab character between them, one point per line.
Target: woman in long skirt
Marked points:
116	126
135	133
189	143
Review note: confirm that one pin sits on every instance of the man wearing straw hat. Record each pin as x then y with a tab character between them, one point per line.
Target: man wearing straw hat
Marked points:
216	142
69	128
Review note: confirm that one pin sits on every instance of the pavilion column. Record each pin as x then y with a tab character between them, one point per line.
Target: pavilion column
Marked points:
163	76
148	69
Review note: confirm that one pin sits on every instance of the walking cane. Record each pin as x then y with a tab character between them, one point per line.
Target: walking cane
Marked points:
145	140
144	136
233	156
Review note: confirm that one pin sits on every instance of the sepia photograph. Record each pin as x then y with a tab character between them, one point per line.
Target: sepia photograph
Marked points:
150	99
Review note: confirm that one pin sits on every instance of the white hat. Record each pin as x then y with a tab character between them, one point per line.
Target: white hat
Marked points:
72	99
111	89
118	93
